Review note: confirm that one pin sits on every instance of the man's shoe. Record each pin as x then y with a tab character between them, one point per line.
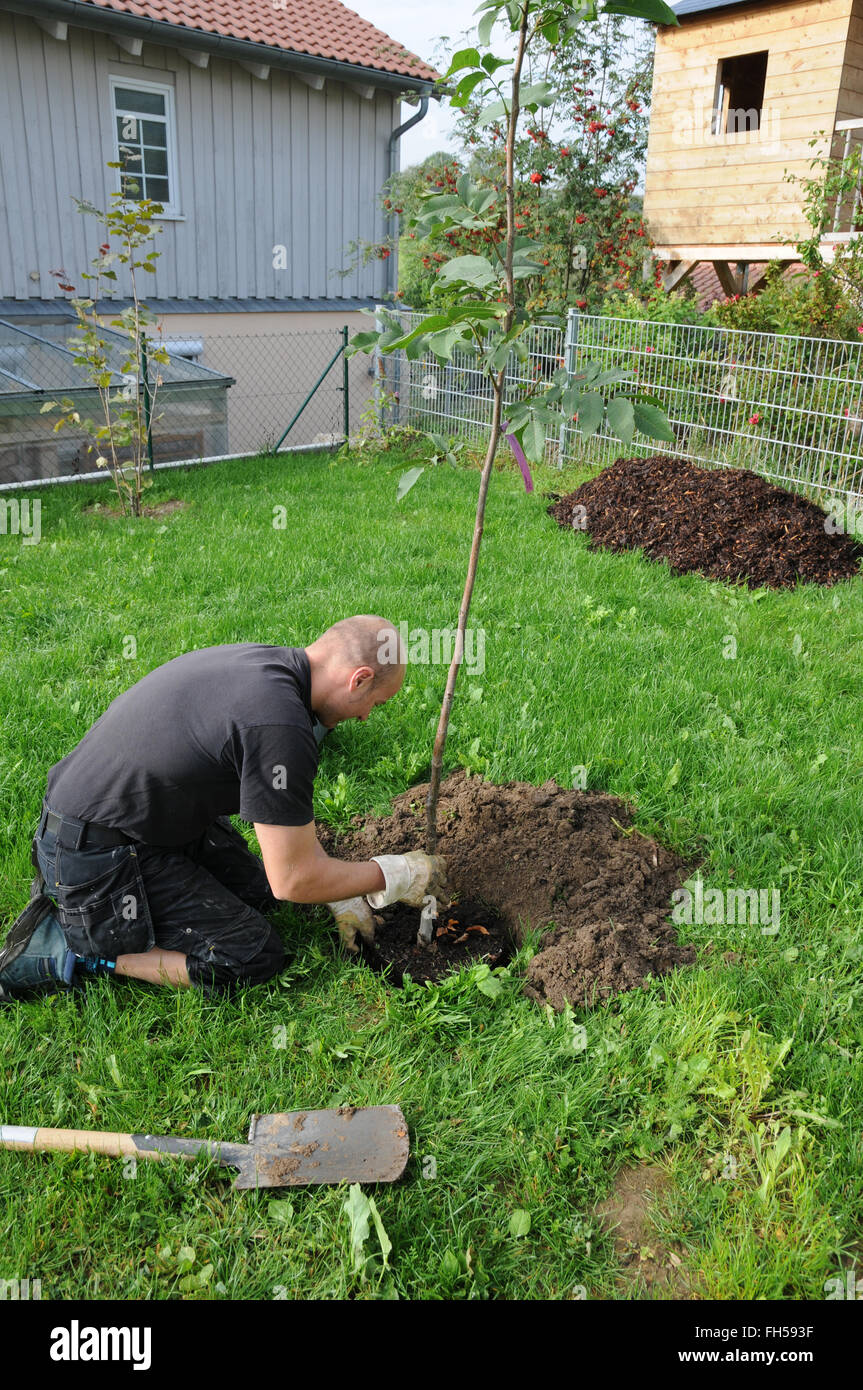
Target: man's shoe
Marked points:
35	955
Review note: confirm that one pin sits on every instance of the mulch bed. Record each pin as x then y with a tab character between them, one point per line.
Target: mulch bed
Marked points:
725	523
549	858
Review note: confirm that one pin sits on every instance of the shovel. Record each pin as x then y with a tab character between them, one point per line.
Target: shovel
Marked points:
299	1148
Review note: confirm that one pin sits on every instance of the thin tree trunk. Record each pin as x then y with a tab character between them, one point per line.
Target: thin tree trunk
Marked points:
488	463
452	676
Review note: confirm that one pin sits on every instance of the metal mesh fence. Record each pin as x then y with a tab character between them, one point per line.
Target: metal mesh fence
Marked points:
788	408
274	374
221	393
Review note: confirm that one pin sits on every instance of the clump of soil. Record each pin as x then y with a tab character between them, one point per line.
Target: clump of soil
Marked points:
626	1215
725	523
464	934
550	859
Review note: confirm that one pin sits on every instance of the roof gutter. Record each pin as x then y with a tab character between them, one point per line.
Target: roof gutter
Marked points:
391	168
239	50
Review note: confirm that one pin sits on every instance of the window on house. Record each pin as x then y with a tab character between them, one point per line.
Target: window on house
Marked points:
145	142
740	93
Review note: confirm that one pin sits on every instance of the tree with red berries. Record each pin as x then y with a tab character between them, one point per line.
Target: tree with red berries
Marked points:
578	168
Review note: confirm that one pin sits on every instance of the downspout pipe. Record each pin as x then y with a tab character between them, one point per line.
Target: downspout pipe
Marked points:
390	284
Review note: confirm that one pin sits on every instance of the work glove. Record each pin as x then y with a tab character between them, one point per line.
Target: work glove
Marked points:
353	915
409	877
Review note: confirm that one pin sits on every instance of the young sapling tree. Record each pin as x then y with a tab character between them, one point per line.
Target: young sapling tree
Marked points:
118	370
476	306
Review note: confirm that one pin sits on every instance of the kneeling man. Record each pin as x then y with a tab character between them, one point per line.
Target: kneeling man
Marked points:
140	871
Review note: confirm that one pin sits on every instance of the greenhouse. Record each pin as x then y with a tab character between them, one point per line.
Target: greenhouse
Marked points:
37	365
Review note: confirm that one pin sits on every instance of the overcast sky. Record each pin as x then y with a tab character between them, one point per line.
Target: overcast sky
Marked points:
419	25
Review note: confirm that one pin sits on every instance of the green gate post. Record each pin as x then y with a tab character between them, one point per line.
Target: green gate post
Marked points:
148	404
332	362
345	384
573	318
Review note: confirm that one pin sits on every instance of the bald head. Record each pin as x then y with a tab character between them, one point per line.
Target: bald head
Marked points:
356	664
363	641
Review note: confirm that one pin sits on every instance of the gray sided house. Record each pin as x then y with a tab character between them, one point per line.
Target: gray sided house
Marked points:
266	130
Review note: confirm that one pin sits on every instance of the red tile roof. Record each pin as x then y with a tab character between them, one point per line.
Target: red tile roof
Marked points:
708	289
319	28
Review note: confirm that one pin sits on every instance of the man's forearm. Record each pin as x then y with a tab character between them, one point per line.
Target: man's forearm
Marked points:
330	880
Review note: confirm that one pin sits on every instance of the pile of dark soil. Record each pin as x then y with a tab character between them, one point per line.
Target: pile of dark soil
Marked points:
550	859
726	523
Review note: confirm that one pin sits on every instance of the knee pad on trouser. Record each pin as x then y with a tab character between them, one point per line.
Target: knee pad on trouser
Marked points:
216	977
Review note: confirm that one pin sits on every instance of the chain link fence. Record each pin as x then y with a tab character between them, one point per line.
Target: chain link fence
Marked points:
788	408
282	378
220	394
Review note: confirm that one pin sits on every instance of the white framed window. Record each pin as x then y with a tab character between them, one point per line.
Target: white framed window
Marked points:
740	84
145	142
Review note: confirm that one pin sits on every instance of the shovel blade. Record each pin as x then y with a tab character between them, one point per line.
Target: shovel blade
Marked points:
366	1144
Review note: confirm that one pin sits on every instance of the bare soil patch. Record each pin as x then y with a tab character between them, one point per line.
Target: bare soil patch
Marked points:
563	862
174	504
626	1215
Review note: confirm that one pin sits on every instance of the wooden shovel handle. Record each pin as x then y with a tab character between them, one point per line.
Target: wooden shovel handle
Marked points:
72	1141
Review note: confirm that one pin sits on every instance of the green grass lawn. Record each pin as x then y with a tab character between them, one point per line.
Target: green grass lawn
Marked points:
742	1076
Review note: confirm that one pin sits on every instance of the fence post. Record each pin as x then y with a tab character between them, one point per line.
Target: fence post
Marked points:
346	384
148	404
378	360
397	386
569	350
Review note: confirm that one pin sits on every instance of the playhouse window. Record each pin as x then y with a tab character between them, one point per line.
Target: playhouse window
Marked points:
740	93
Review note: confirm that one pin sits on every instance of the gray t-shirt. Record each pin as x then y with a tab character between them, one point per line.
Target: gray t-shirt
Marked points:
222	731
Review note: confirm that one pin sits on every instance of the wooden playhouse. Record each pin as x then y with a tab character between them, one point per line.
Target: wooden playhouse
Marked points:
741	89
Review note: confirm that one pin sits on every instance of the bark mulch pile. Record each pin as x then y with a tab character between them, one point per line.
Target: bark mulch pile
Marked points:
725	523
547	858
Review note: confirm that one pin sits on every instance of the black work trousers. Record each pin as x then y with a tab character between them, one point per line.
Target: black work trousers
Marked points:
205	899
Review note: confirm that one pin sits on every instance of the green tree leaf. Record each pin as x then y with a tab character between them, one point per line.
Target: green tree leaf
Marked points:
655	10
485	26
621	418
519	1223
495	112
362	342
651	421
589	407
469	270
406	482
462	93
533	439
465	58
491	64
537	94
